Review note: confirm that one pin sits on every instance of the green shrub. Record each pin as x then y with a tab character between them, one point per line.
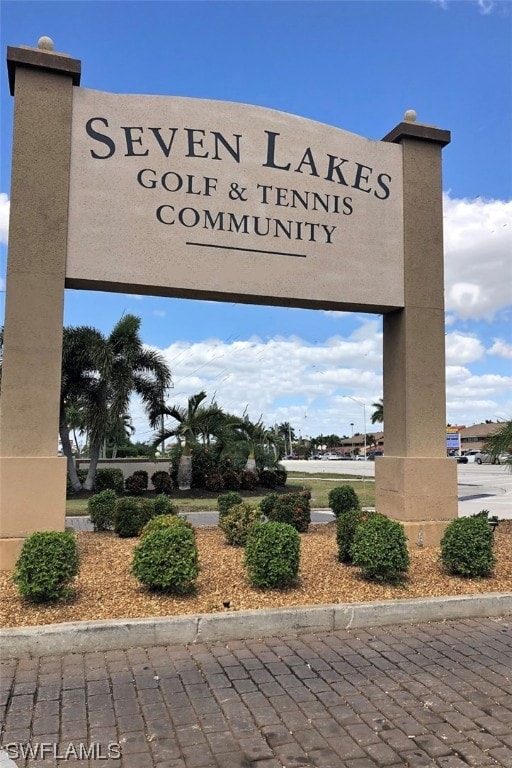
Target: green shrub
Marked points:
342	499
269	478
162	505
227	500
167	560
248	480
161	522
109	478
466	547
131	515
272	555
124	452
82	474
380	548
101	508
291	508
236	523
346	525
214	482
144	475
282	475
268	503
204	463
136	484
232	479
162	482
46	566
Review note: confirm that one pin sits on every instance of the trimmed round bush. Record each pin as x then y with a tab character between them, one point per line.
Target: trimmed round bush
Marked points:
268	503
101	508
467	547
232	479
82	474
214	482
162	482
380	548
166	560
346	525
342	499
109	477
131	515
272	555
161	522
227	500
269	478
282	475
248	480
47	564
136	484
236	523
162	505
291	508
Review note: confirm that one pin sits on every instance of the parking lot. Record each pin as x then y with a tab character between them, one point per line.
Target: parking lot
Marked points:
480	486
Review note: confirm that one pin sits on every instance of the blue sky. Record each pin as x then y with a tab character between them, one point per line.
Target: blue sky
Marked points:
354	65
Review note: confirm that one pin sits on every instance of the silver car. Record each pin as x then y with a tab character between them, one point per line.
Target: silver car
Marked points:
486	458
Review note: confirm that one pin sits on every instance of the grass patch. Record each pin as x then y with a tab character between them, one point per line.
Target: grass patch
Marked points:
206	501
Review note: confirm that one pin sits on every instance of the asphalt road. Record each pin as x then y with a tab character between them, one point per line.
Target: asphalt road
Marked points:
480	486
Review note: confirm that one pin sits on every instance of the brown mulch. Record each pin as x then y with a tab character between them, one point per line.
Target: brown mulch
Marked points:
105	589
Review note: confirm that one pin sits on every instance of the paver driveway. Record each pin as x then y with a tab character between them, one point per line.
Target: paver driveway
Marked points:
435	694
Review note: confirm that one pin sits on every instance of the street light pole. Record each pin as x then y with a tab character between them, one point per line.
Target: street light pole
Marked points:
352	425
363	406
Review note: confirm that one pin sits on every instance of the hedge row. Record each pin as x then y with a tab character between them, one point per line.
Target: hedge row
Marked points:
166	558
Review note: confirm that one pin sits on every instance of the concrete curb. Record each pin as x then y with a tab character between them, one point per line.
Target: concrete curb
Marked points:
121	634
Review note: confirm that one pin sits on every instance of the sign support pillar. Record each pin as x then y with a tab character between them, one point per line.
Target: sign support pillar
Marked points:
415	482
32	475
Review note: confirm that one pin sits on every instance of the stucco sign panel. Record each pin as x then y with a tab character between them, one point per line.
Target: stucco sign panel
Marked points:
190	197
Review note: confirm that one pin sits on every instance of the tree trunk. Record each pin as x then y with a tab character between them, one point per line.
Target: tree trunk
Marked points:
68	453
250	464
185	472
91	474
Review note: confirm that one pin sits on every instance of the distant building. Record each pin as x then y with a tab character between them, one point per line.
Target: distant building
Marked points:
474	438
471	439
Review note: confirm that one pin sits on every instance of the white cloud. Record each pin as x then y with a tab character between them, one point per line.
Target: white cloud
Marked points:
311	385
159	313
282	379
5	206
478	267
501	348
486	6
463	348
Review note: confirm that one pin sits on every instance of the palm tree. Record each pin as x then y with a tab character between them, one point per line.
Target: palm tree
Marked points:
99	374
370	441
76	424
378	414
192	422
259	440
501	442
287	433
120	431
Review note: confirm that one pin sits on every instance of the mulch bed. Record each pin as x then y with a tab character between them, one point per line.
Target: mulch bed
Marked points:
105	588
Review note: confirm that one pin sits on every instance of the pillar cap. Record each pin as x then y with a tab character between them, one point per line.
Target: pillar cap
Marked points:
43	59
411	130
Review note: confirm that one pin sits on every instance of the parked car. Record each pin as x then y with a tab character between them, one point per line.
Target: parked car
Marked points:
460	459
486	458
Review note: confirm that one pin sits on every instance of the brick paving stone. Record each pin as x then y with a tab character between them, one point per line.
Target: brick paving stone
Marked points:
382	754
395	696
